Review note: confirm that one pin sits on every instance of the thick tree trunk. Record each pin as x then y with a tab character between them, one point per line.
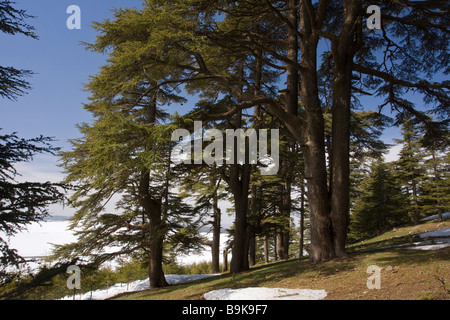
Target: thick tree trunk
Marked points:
340	164
343	50
239	184
283	245
321	248
153	210
313	144
225	260
157	232
155	270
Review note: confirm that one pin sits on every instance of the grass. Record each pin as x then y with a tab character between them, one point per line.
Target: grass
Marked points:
405	274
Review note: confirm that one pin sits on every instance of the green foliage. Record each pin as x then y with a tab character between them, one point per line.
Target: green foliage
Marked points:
125	153
381	206
436	185
12	22
21	203
194	268
423	170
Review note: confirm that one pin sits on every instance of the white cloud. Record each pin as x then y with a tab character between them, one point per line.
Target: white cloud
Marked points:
42	168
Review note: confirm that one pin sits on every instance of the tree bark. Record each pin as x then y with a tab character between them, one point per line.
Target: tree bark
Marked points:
153	208
343	50
225	260
239	184
313	144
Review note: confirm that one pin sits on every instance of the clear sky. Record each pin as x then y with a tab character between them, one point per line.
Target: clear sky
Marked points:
61	65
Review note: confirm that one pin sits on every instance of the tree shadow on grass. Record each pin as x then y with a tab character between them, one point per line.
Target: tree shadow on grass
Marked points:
402	255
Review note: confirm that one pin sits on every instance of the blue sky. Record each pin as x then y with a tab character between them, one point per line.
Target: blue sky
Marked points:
61	65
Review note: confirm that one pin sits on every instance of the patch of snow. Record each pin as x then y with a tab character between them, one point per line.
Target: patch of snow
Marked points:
265	294
139	285
445	215
440	239
430	247
436	233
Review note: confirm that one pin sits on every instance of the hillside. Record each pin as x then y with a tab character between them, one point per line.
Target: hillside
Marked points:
405	274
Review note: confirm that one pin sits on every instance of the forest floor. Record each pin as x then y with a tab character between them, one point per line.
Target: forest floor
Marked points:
405	274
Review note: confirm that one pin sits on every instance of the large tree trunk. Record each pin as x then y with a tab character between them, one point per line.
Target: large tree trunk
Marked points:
155	270
343	50
153	210
157	232
313	146
239	184
340	164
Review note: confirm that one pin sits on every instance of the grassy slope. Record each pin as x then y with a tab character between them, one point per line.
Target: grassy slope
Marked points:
406	274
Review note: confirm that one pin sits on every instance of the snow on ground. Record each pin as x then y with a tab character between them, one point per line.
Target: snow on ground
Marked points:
139	285
445	215
436	233
265	294
431	247
434	240
38	240
439	239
